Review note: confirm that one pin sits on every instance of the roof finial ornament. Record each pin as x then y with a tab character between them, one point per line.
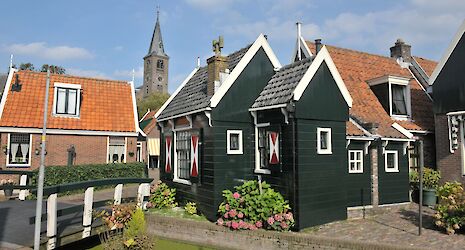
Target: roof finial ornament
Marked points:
133	75
218	45
158	11
11	61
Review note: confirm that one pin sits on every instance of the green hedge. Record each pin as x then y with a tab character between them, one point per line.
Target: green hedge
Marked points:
56	175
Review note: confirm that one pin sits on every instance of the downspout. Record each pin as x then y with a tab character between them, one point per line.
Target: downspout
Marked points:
291	109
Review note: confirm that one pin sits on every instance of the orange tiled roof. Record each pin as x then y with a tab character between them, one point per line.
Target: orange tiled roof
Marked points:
353	130
106	105
150	115
427	65
356	68
152	124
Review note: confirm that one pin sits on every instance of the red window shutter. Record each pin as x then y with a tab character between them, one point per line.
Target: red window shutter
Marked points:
194	155
168	146
274	147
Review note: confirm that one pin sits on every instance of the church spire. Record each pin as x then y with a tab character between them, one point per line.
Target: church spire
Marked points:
156	45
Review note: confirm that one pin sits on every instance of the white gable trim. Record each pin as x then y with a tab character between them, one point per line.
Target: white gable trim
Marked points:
303	46
176	92
6	90
261	42
322	56
143	117
446	56
134	107
402	130
366	132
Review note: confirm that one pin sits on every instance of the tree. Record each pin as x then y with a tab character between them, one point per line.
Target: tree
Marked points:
53	69
26	66
153	101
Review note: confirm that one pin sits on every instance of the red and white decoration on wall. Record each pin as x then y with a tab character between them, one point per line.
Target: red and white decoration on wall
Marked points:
274	147
194	155
168	154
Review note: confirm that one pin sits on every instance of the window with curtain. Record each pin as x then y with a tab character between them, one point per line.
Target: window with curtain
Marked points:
116	149
183	154
67	101
19	149
399	104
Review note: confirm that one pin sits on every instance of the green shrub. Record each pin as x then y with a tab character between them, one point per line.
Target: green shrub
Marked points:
431	178
248	208
135	236
450	211
56	175
161	196
191	208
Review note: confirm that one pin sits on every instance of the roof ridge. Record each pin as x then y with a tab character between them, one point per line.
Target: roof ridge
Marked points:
71	76
239	50
290	65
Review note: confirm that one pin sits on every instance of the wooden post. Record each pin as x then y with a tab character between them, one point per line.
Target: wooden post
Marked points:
118	194
23	192
87	213
143	191
52	221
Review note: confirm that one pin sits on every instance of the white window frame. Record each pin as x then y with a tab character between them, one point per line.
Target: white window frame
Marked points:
407	101
228	142
259	170
8	153
175	163
77	87
396	161
139	146
320	150
356	171
125	149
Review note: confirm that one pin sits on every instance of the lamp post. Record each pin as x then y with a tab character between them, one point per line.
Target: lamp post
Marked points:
40	183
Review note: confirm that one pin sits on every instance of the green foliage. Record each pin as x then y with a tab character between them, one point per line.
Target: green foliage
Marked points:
135	236
153	101
250	208
191	208
450	212
431	178
56	175
162	196
26	66
54	69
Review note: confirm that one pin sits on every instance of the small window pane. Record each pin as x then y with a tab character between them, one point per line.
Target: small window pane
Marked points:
72	98
234	141
399	106
324	140
61	101
390	160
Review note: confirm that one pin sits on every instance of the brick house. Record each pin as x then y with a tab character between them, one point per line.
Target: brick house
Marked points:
90	120
447	83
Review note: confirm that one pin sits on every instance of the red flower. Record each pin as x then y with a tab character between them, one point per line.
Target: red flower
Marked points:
234	225
236	195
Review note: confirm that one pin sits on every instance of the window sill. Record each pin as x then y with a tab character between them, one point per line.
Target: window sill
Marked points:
235	152
18	165
66	116
391	170
358	172
262	171
325	152
186	182
401	117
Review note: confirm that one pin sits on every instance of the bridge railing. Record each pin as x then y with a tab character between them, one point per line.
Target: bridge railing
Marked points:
51	192
24	180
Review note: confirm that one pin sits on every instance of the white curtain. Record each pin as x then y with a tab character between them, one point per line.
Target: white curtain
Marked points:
14	150
61	100
72	101
24	151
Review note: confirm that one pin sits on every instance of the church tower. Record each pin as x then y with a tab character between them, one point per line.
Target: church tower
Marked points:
155	65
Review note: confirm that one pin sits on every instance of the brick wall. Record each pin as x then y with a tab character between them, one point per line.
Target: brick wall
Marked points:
89	149
449	164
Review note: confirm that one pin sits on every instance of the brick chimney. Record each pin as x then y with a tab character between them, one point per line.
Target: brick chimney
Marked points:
216	64
401	49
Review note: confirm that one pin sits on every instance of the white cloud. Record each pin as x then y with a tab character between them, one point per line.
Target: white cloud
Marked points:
42	50
138	73
87	73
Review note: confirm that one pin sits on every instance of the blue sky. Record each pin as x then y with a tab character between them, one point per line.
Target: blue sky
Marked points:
108	38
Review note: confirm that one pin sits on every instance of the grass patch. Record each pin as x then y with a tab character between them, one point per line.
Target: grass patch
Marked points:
165	244
177	213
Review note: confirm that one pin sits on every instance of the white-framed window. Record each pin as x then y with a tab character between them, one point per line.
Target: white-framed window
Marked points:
19	150
391	161
234	142
355	161
183	155
116	149
323	140
139	152
394	94
67	101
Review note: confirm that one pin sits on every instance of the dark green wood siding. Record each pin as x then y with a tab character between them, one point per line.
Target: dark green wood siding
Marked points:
393	187
449	86
359	184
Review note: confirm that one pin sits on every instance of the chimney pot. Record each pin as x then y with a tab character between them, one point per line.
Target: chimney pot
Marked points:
401	49
318	45
215	65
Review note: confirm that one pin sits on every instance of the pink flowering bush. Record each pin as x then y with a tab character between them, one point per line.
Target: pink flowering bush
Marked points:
249	209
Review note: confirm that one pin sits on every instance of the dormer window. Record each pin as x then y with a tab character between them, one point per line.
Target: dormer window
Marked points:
66	99
393	92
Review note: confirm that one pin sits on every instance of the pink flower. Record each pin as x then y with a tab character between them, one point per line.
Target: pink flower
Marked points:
253	227
278	217
234	225
236	195
288	216
240	215
270	221
232	213
220	222
226	215
242	224
258	224
227	206
284	225
228	223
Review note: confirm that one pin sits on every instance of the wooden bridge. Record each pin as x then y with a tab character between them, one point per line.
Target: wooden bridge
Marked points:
64	221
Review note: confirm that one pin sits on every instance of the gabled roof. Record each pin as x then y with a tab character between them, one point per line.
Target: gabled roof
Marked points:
281	86
449	51
106	105
191	96
356	68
